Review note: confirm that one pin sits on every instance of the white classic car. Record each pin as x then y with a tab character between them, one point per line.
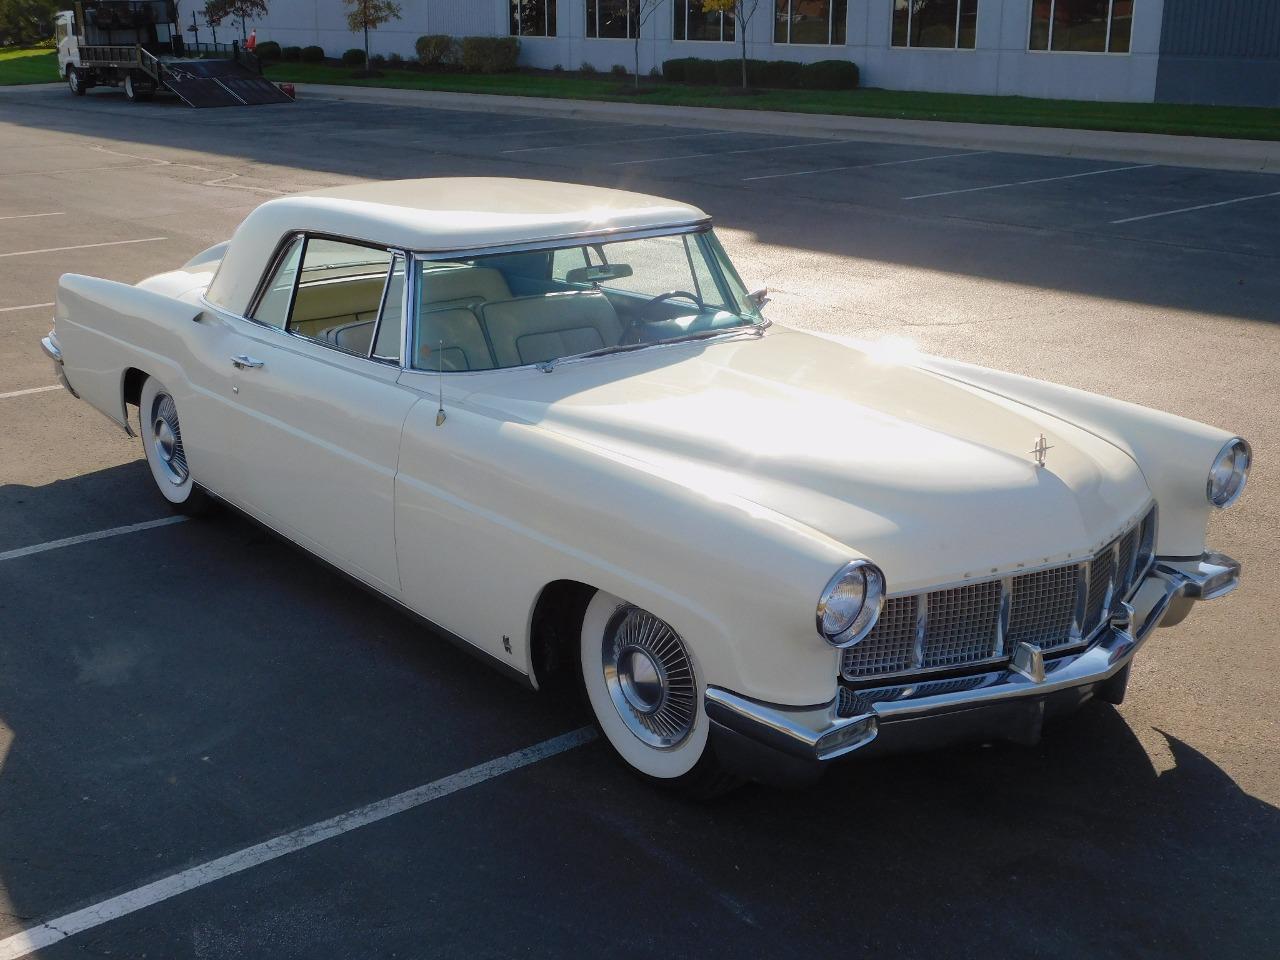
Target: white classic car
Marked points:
550	419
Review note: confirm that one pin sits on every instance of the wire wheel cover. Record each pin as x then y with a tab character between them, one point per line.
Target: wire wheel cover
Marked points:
166	439
650	677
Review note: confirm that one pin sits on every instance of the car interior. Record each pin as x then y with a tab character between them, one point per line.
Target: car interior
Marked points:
505	310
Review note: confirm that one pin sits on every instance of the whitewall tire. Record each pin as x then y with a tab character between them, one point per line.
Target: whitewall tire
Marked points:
642	684
161	433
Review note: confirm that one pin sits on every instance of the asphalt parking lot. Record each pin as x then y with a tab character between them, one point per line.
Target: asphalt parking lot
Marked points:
174	696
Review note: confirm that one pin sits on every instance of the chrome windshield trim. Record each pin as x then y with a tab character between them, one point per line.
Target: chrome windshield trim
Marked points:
559	243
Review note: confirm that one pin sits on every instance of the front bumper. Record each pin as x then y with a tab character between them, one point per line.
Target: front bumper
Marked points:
51	350
793	744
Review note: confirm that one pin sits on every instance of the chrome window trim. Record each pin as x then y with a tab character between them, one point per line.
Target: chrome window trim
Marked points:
570	240
382	309
283	246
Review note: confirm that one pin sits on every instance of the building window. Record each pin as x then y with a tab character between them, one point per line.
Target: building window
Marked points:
1082	26
810	21
694	23
939	24
533	18
610	20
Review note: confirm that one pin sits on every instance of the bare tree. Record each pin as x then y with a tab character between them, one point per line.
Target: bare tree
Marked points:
369	15
742	11
641	11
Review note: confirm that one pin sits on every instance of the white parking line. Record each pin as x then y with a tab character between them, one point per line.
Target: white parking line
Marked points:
864	166
52	931
23	393
29	216
729	153
26	306
1203	206
1023	183
89	537
81	246
603	143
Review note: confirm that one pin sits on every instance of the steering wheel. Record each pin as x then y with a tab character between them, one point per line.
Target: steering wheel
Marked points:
641	314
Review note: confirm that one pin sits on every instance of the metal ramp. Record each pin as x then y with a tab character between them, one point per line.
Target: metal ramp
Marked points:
218	83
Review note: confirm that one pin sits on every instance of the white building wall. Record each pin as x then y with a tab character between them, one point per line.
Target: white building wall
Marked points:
1001	64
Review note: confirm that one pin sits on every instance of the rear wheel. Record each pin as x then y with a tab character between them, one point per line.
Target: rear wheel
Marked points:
76	82
641	684
161	433
136	90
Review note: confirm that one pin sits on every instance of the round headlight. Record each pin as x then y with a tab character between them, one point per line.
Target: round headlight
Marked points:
1229	472
850	605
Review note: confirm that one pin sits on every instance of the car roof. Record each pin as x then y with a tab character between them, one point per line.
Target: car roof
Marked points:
443	215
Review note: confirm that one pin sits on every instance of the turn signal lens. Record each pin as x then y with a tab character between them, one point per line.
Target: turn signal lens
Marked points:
1229	472
850	605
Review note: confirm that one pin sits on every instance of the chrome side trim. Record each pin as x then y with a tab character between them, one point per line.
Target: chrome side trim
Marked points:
819	733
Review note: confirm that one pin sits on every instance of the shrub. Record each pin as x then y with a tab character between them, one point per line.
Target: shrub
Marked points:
587	68
675	70
655	73
618	70
291	53
489	54
829	75
353	58
436	50
778	74
701	72
558	68
395	60
728	72
267	50
312	54
377	60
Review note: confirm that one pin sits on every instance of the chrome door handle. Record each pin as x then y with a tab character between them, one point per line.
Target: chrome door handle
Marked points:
243	362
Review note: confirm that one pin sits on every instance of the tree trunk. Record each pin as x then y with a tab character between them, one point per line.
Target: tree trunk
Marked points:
637	45
366	47
743	32
244	34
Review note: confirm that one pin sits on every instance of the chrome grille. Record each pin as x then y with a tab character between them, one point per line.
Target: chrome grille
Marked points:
963	625
1042	607
854	703
1054	609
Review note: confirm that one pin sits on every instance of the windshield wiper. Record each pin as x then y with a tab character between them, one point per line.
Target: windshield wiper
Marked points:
756	328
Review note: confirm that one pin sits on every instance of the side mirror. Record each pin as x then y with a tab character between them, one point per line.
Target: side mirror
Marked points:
759	297
598	273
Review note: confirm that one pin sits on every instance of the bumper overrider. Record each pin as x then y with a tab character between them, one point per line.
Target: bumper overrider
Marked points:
51	350
794	744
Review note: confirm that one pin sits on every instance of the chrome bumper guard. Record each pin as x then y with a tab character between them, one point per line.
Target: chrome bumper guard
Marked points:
53	351
1007	704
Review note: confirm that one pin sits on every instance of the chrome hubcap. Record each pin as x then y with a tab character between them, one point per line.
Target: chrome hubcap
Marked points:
650	677
166	440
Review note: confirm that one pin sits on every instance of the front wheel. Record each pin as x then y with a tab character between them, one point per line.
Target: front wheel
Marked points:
641	683
161	433
75	82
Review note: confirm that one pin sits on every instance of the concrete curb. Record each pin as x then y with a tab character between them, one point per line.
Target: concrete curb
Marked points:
1209	152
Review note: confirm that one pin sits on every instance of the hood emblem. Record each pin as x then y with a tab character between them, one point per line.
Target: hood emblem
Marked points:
1041	450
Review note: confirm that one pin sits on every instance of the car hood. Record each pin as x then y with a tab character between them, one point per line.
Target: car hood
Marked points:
932	479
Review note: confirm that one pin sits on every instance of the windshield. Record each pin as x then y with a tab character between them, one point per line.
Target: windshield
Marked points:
513	309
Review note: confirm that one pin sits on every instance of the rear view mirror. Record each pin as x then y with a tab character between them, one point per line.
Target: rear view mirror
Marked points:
598	273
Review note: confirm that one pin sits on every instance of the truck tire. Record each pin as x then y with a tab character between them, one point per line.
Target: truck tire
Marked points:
136	91
76	82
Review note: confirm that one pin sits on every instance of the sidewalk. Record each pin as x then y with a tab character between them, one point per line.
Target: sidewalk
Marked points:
1209	152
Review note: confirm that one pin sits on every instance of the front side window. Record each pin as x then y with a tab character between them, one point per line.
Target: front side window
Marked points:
810	21
533	18
937	24
510	310
339	294
694	23
1082	26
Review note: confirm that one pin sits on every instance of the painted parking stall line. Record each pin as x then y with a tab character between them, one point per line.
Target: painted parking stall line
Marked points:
52	931
813	145
1023	183
29	391
865	166
607	143
89	537
81	246
32	216
26	306
1201	206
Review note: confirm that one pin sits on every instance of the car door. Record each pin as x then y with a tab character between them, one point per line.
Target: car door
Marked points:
312	411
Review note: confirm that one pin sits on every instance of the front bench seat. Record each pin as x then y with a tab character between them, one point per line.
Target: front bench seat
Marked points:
452	340
536	329
462	287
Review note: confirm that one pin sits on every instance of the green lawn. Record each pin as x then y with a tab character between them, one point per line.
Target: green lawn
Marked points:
1245	122
28	65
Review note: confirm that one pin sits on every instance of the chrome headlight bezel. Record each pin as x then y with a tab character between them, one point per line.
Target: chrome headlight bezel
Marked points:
1236	456
856	628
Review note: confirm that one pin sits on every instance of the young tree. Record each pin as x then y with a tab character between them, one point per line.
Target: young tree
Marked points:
742	11
26	21
641	11
215	11
368	15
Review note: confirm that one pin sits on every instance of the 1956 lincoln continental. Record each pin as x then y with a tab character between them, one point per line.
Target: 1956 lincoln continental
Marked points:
551	419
